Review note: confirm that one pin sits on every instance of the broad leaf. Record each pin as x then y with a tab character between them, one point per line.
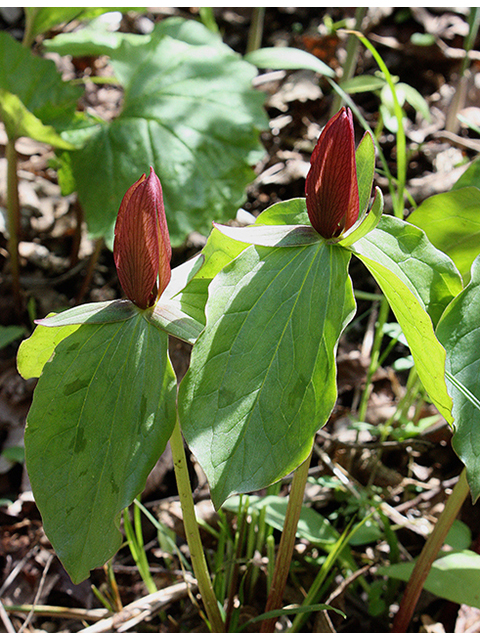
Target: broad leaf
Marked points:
284	235
454	577
92	313
470	177
459	332
452	223
190	112
418	282
217	253
292	211
102	413
37	84
406	251
36	351
19	121
262	375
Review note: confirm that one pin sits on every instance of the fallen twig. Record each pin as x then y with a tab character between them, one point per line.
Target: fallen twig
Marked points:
135	612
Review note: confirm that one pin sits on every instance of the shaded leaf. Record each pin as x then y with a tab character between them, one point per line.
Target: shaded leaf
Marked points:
454	577
262	375
102	413
459	332
36	83
418	282
190	112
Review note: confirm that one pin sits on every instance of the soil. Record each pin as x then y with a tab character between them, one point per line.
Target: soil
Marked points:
61	267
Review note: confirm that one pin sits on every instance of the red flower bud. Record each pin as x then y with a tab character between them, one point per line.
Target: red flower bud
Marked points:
142	248
331	187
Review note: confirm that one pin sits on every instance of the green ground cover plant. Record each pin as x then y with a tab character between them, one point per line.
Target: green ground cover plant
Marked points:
263	306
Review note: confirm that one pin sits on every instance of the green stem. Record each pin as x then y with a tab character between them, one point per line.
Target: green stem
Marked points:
429	553
192	532
351	59
401	139
255	33
13	209
287	542
382	318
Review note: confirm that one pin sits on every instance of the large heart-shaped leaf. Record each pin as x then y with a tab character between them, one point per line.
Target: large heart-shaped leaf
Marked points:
191	113
262	375
459	332
102	413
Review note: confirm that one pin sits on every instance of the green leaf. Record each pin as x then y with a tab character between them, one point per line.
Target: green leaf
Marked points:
459	332
9	334
217	253
288	58
96	39
365	224
102	413
415	99
452	223
191	113
453	577
407	252
418	282
37	84
285	235
220	250
92	313
19	122
42	19
365	161
36	351
262	375
470	177
292	211
169	317
360	84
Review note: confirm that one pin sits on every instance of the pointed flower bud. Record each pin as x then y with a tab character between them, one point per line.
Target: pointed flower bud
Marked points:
142	248
331	187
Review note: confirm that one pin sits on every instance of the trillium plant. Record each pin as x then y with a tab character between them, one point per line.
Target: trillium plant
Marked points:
264	307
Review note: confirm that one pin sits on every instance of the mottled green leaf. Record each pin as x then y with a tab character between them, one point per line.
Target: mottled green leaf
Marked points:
190	112
262	375
102	413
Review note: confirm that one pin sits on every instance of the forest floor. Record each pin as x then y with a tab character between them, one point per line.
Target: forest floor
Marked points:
412	475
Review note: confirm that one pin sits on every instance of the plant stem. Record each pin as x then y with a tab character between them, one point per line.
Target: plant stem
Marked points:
192	533
375	355
255	33
13	208
287	542
351	59
429	553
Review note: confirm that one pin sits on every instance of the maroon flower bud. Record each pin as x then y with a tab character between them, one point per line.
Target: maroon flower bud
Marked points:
331	187
142	248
